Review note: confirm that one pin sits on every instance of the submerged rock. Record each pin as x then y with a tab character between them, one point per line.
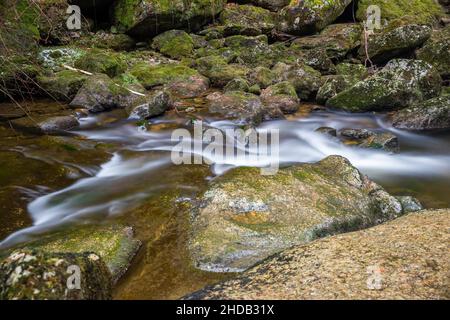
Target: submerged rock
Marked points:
429	115
37	275
403	259
399	84
436	51
150	17
245	217
309	16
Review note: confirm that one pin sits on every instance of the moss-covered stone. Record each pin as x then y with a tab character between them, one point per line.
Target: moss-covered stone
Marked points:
174	43
37	275
105	40
154	104
436	51
246	20
219	71
261	76
394	41
102	61
150	17
281	95
245	217
423	11
399	84
237	84
309	16
161	74
62	85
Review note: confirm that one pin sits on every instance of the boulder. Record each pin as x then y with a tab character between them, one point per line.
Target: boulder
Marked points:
105	40
399	84
273	5
246	20
194	86
242	107
237	84
62	85
150	17
364	138
261	76
308	16
153	105
282	96
219	71
244	216
435	51
403	259
428	115
47	124
394	41
100	93
161	74
174	43
102	61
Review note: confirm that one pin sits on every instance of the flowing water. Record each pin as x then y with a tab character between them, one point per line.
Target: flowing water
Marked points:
127	175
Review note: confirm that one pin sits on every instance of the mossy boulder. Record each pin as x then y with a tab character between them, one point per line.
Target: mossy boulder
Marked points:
282	96
337	40
150	17
161	74
394	41
432	114
37	275
244	216
261	76
436	51
423	11
100	93
194	86
102	61
237	84
241	107
106	40
406	258
399	84
250	51
273	5
246	20
62	85
217	69
305	79
308	16
174	43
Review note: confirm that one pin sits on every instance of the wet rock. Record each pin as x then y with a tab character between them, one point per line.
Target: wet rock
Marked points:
161	74
356	133
305	80
428	115
402	259
282	96
151	17
245	108
435	51
100	61
246	20
369	139
46	124
174	43
399	84
155	104
422	11
36	275
219	71
62	85
303	17
192	87
237	84
410	204
394	41
327	130
273	5
100	93
244	216
337	40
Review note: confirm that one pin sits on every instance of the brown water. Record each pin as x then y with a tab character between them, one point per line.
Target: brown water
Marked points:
114	169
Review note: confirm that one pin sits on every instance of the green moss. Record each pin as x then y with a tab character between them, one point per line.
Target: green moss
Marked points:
174	43
102	61
155	75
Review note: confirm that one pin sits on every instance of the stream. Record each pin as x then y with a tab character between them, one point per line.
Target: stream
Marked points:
136	177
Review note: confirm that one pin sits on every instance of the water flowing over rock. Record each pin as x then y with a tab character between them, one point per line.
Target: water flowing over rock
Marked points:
403	259
245	217
399	84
